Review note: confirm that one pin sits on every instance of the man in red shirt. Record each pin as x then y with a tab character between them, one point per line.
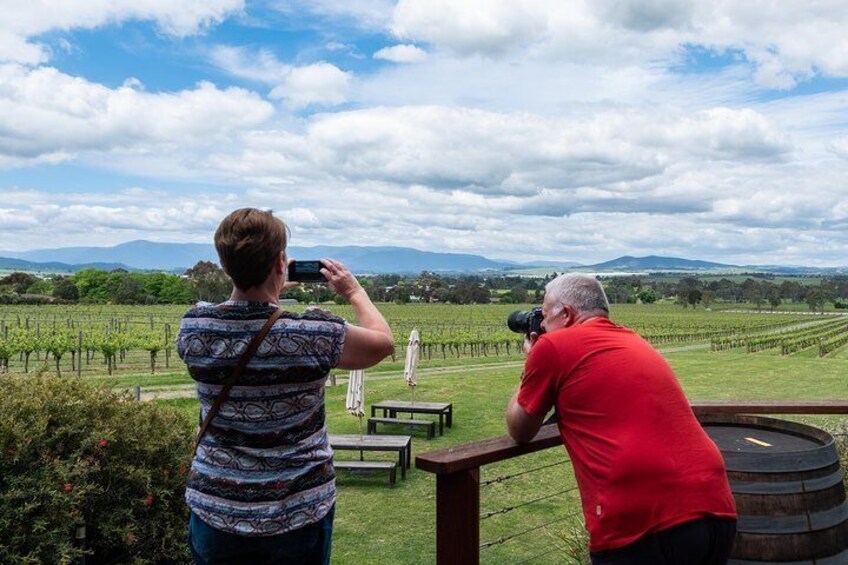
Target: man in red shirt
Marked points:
652	483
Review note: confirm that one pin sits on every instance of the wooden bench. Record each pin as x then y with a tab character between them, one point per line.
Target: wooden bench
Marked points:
402	445
390	408
429	425
389	466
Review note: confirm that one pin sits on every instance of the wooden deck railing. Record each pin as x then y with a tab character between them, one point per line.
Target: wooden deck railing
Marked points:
457	471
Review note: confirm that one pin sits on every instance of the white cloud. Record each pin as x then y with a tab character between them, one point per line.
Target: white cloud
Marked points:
471	26
260	66
401	54
460	178
12	220
103	219
321	83
15	47
839	147
24	20
515	153
786	44
48	115
318	83
369	14
576	118
724	133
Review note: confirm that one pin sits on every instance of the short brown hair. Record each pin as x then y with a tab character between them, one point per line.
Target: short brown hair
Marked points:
248	242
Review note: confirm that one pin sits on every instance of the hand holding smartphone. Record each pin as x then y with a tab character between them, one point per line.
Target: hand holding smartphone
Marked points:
306	272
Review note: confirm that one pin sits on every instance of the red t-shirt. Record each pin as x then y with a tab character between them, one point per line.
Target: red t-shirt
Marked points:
642	461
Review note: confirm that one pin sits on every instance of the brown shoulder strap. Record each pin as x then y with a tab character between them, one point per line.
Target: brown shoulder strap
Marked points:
242	363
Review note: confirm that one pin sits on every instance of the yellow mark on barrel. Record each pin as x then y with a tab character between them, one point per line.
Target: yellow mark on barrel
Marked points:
758	442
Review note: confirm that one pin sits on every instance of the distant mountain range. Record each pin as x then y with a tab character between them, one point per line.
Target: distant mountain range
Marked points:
654	263
8	264
176	257
147	255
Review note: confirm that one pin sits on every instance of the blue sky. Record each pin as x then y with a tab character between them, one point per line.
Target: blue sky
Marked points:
546	129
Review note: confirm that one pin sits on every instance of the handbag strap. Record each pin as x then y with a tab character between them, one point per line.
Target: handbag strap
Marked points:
242	363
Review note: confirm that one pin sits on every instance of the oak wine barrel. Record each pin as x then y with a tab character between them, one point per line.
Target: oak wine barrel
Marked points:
789	490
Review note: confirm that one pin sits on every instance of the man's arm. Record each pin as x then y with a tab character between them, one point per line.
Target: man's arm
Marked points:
522	427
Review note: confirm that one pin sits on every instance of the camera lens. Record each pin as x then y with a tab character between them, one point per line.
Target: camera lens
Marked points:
519	322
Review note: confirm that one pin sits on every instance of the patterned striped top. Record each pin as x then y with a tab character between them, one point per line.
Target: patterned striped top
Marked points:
264	466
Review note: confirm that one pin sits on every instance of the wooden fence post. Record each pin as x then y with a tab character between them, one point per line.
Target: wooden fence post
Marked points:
458	518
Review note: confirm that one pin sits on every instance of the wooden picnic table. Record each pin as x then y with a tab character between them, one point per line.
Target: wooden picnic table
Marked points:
357	442
391	407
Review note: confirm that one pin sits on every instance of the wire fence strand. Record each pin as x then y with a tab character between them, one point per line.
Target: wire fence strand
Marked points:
504	539
506	509
503	478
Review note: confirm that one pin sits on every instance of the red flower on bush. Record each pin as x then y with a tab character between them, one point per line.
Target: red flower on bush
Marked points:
102	443
148	501
183	469
68	487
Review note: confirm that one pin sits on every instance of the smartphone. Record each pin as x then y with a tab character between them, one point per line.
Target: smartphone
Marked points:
306	271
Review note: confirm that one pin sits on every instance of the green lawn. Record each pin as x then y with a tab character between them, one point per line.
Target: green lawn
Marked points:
378	524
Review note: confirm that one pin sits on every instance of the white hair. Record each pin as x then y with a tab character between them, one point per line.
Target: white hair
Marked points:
583	292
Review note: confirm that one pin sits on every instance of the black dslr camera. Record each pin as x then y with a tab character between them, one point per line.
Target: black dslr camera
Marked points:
526	322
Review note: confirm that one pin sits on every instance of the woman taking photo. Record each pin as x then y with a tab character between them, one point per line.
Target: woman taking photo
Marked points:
261	488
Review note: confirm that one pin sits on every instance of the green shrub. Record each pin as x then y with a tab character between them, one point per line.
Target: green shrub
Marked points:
71	455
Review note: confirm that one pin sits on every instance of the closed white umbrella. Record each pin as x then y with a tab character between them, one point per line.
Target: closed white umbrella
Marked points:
355	401
410	368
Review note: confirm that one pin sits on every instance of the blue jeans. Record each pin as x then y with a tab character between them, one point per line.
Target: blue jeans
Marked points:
309	545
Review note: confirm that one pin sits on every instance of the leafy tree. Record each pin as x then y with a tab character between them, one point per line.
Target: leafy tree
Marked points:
647	297
401	295
814	299
125	288
302	294
153	284
693	297
791	290
622	290
175	290
686	284
40	286
519	294
91	284
65	289
752	291
773	296
19	281
210	282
